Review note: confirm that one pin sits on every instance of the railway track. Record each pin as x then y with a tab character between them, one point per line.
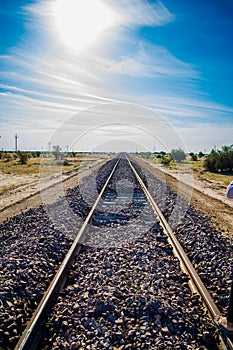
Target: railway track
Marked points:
125	299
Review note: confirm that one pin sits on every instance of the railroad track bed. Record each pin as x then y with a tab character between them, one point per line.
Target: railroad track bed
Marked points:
125	289
208	250
31	249
130	298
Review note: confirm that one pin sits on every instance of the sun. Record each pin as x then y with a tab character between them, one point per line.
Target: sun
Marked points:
80	24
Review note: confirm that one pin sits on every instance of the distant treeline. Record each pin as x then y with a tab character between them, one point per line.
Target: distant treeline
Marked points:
217	160
220	160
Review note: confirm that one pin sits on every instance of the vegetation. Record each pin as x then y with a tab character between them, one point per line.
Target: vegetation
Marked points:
66	162
198	167
220	160
165	160
23	157
57	152
201	154
29	163
194	157
178	155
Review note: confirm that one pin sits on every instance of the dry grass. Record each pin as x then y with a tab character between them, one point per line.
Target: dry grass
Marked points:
13	174
197	168
14	168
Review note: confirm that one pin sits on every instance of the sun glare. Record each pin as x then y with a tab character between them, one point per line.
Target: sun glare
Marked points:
80	24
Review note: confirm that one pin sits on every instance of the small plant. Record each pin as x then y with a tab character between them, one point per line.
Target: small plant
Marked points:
7	157
66	162
194	157
165	160
23	157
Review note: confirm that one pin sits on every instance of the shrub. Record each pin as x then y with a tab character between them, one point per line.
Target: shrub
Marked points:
66	162
165	160
220	160
23	157
194	157
178	155
6	157
200	154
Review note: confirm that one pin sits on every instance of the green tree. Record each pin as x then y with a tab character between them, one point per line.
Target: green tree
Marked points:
178	155
194	157
220	160
200	154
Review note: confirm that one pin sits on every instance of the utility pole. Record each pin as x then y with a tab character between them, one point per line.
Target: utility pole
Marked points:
16	142
49	146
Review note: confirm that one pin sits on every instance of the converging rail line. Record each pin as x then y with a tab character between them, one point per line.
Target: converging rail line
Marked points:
121	216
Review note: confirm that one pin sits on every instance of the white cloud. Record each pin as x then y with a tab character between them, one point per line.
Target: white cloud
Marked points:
149	61
204	137
42	92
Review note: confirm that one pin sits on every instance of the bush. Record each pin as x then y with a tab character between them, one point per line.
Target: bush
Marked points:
7	157
178	155
23	157
165	160
194	157
200	154
66	162
220	160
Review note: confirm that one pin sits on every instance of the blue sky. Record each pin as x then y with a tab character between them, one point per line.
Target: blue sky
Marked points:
116	75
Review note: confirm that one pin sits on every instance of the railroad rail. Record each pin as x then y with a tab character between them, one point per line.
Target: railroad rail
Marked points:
32	334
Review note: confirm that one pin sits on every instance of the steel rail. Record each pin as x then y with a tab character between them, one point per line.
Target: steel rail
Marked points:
208	301
31	336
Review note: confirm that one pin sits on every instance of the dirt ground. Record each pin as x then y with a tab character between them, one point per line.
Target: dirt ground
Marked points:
209	198
26	194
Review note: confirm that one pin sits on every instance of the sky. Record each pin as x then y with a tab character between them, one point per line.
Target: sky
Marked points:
116	75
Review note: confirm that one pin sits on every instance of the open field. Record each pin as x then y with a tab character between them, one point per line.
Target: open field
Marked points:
216	180
21	181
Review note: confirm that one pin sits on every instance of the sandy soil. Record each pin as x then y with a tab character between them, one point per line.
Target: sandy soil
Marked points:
207	197
26	193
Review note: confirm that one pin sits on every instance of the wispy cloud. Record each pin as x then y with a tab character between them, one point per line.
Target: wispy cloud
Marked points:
150	61
45	90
